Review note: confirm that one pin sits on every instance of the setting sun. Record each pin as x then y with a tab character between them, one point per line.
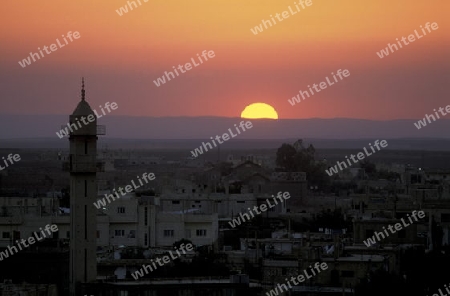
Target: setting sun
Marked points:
259	110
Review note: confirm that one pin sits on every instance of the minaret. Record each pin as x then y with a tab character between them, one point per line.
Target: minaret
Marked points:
83	192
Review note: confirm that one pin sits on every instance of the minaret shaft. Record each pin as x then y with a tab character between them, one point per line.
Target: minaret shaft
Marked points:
83	192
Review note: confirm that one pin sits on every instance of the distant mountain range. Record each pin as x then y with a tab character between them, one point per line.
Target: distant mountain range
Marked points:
329	133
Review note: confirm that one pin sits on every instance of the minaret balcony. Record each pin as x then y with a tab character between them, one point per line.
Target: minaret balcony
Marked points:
83	164
101	131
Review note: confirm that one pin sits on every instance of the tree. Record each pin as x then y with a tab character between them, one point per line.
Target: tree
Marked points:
368	167
285	157
184	241
297	158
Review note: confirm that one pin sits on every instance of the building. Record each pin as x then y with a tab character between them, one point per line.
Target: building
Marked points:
83	191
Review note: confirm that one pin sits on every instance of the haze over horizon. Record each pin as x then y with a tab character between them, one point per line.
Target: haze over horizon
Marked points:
135	127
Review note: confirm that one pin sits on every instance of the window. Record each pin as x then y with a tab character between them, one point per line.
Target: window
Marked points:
119	232
120	210
132	234
6	235
348	273
416	179
175	202
241	201
145	216
146	239
68	234
201	232
168	233
16	235
369	232
445	217
85	222
197	201
98	233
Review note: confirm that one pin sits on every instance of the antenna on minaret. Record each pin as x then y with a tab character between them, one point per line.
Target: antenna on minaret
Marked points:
83	92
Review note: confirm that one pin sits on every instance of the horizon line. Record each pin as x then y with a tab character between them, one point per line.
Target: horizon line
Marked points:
225	117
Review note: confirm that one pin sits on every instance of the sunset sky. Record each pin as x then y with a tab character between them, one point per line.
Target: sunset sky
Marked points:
120	56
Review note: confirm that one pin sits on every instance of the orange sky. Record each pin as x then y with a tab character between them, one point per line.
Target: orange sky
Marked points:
120	56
